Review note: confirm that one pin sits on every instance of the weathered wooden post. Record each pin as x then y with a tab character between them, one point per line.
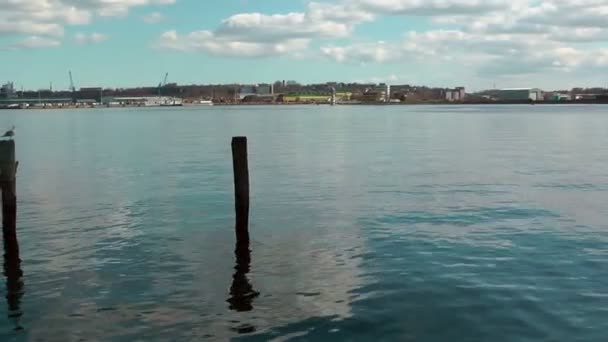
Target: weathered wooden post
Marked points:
241	188
8	169
12	261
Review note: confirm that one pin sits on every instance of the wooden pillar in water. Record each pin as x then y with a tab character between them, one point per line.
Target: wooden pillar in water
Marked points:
241	188
12	261
8	169
241	291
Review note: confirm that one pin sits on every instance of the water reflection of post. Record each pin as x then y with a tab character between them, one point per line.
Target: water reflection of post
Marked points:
14	277
241	291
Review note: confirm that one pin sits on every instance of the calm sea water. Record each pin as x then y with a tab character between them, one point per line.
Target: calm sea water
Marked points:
430	223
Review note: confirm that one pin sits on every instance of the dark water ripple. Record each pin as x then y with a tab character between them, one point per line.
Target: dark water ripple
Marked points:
388	223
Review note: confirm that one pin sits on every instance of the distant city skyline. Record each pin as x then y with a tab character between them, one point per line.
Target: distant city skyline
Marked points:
553	44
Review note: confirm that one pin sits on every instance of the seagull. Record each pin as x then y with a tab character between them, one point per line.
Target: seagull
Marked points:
10	133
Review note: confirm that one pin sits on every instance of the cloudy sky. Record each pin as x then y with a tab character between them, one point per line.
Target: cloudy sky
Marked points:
476	43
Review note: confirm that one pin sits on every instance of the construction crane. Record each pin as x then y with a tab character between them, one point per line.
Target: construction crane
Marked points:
72	87
163	83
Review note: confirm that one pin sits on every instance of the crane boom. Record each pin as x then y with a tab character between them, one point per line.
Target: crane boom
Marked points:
72	87
162	84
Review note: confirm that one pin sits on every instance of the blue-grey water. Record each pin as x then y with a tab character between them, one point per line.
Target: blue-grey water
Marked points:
409	223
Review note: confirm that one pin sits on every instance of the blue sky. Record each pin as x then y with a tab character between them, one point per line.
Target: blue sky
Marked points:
476	43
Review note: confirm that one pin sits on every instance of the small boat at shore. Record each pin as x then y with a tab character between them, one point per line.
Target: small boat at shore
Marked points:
202	103
16	106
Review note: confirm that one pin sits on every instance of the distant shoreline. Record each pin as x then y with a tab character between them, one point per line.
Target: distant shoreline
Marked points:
419	103
228	104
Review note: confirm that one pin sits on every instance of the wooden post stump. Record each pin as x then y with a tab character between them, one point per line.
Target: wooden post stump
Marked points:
8	169
12	261
241	188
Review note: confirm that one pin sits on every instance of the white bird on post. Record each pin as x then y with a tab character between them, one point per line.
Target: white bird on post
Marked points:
10	133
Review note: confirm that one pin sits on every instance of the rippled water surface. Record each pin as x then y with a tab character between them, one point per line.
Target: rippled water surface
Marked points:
431	223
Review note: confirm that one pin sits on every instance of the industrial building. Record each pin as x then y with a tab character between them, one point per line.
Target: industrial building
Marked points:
94	94
373	93
35	102
560	97
7	91
457	94
10	98
520	94
254	90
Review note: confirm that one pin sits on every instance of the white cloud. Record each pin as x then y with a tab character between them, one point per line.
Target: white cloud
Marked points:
111	8
490	38
259	35
208	42
49	17
347	12
432	7
92	38
378	52
383	79
275	27
320	20
33	42
601	57
153	18
488	55
579	13
558	20
27	26
578	34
